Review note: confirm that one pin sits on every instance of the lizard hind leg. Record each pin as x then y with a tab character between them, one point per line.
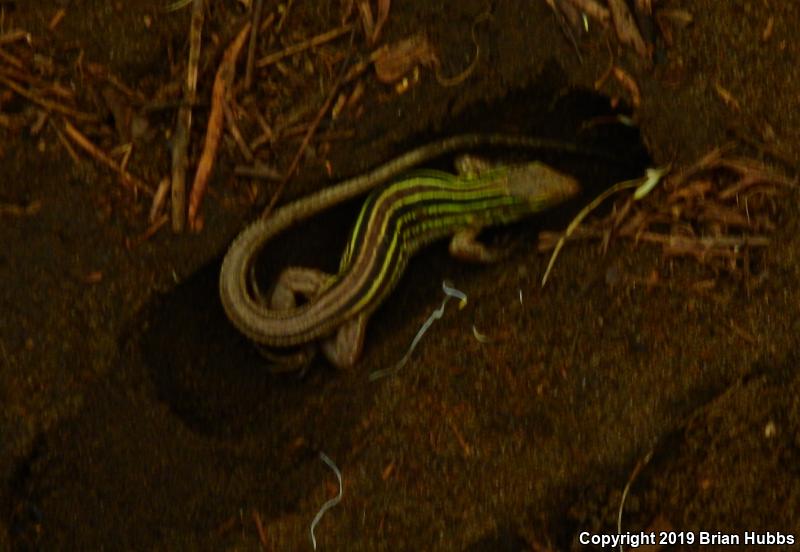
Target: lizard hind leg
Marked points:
294	282
297	281
343	348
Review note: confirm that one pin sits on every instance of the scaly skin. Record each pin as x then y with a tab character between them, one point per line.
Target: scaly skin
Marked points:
395	222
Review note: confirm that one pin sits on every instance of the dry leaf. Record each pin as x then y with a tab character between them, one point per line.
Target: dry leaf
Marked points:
394	61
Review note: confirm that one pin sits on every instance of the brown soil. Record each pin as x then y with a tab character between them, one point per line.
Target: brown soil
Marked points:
134	417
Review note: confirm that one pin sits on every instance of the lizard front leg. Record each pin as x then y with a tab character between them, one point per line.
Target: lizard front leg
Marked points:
464	246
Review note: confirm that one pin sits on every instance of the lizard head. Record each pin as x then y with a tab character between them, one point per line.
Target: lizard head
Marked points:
541	185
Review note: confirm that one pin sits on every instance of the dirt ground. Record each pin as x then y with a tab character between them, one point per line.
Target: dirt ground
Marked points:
134	417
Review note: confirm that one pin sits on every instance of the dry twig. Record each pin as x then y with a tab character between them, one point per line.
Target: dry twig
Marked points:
259	170
284	16
629	84
136	241
306	140
251	47
222	84
55	21
180	144
159	199
233	127
15	35
48	104
700	214
262	532
626	28
127	179
372	27
305	45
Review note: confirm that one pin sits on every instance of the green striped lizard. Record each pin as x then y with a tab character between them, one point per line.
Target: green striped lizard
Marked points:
396	220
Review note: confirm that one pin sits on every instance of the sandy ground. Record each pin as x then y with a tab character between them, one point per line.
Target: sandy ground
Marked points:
134	417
